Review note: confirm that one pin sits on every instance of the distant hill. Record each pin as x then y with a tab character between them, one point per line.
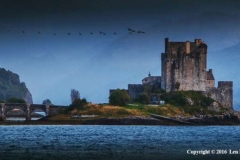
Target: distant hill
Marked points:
10	86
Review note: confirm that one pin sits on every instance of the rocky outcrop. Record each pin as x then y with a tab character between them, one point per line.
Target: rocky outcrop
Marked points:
215	106
11	86
28	97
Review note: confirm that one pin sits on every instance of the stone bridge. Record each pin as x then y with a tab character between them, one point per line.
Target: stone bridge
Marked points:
49	110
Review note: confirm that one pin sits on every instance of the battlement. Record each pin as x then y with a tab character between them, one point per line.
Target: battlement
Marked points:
173	48
136	86
223	84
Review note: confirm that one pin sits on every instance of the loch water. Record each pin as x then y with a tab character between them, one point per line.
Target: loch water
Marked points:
73	142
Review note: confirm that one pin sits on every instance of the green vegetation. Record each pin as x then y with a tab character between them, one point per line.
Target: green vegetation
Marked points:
179	103
10	85
119	98
177	85
149	89
47	101
76	104
144	98
153	88
15	100
187	98
109	111
191	102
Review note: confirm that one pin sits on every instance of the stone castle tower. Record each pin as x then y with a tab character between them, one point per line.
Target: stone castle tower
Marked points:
185	63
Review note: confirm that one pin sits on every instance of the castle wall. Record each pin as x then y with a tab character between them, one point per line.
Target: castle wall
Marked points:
201	67
210	83
135	90
223	93
163	71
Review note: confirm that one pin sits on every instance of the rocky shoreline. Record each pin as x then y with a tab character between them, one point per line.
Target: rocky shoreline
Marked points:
134	120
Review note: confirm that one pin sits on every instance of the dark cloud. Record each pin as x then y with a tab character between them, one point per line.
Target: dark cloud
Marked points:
38	7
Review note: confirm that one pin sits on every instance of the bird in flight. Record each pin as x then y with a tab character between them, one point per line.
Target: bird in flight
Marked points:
102	33
131	30
140	32
91	33
115	33
80	33
23	32
69	33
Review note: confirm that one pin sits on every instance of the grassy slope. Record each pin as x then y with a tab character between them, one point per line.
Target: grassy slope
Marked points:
104	111
177	105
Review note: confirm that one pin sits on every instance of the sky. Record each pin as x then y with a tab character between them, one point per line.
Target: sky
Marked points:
49	44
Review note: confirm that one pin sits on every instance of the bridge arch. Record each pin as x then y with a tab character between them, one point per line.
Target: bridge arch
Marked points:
49	110
38	107
11	107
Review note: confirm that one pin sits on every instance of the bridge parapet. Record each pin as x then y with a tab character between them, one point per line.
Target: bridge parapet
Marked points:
49	110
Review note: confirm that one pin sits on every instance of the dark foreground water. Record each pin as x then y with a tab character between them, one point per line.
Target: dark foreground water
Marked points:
118	142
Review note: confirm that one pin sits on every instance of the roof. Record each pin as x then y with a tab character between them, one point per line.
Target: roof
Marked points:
152	79
210	75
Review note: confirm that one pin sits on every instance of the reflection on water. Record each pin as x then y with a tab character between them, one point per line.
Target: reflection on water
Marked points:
114	142
41	113
21	119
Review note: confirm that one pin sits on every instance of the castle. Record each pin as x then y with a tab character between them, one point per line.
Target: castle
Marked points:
184	67
186	63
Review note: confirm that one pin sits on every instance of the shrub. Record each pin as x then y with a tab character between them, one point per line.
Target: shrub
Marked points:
47	101
77	103
119	98
175	98
144	98
15	100
179	98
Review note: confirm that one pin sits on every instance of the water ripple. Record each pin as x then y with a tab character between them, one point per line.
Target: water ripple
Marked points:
112	142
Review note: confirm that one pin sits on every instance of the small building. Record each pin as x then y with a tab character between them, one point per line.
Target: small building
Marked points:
151	79
136	89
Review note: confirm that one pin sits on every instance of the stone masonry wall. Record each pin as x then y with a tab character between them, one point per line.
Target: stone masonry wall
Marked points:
135	90
223	93
184	62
